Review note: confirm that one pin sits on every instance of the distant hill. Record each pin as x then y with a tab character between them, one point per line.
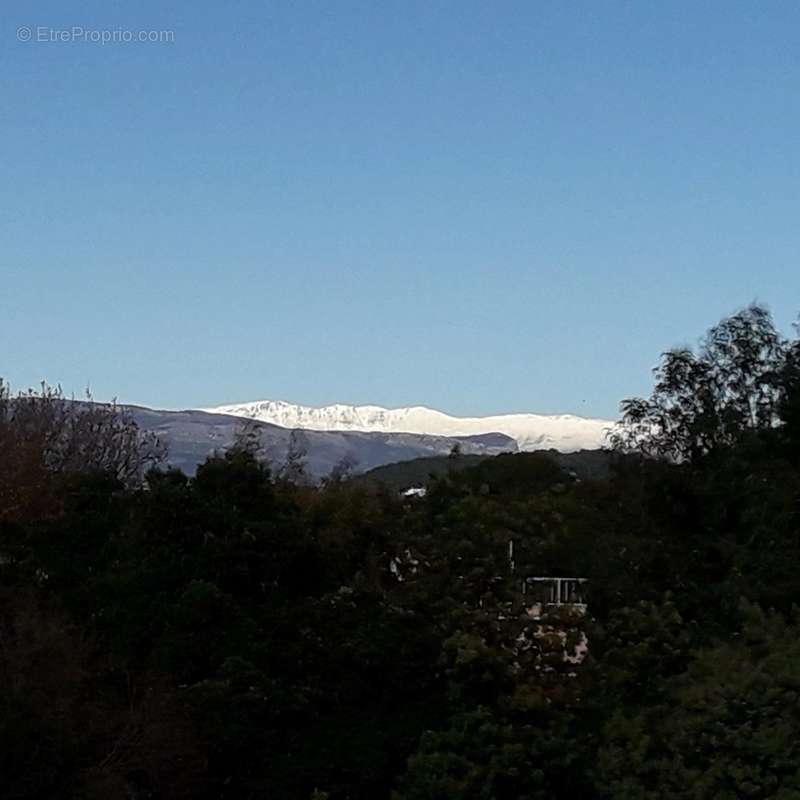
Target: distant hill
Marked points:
191	436
584	464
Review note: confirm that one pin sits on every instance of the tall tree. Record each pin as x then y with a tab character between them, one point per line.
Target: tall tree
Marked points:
713	397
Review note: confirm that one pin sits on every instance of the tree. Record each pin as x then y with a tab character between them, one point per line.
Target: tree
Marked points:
790	399
727	727
46	438
712	398
247	439
294	467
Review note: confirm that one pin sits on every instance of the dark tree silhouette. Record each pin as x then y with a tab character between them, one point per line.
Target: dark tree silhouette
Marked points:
711	398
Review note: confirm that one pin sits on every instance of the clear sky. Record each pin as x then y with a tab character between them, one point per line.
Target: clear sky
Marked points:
481	207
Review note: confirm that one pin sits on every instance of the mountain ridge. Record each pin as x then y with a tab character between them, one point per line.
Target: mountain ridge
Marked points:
562	432
190	436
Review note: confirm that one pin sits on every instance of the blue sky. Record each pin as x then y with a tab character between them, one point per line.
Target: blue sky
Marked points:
482	207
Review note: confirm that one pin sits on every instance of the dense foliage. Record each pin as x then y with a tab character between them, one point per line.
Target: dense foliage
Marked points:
242	634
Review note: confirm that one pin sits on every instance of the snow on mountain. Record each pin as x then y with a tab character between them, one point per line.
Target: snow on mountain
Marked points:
564	432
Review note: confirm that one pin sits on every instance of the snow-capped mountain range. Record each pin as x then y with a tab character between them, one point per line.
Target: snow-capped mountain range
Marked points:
563	432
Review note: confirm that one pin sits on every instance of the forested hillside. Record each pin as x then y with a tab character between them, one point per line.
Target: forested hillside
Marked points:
242	634
580	465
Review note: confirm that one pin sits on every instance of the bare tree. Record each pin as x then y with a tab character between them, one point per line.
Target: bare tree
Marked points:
342	470
247	439
294	467
45	436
